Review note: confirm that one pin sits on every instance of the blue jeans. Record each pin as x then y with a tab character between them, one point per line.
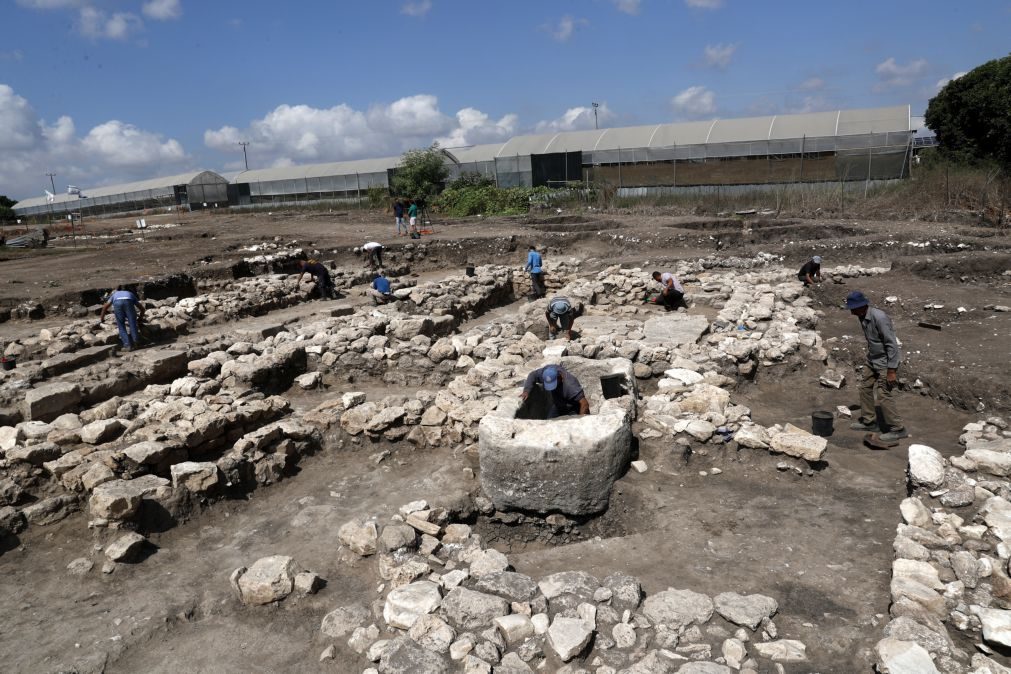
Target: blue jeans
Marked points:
400	223
125	311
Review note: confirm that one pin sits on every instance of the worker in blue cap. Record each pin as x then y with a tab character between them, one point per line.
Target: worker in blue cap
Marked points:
563	389
810	273
880	376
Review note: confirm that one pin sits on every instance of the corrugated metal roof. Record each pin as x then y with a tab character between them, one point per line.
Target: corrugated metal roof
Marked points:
473	153
340	168
124	188
738	130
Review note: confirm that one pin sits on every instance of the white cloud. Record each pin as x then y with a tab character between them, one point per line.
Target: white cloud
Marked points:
420	8
944	81
565	27
18	121
15	55
113	151
812	84
893	75
304	134
50	4
97	24
120	144
719	55
576	119
474	127
704	4
628	6
162	10
695	101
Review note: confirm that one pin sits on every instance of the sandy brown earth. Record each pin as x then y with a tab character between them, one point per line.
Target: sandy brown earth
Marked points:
819	541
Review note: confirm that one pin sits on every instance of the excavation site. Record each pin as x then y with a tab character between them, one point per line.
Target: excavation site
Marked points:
457	475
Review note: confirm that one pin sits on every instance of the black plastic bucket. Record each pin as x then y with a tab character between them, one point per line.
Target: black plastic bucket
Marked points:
469	271
821	423
10	363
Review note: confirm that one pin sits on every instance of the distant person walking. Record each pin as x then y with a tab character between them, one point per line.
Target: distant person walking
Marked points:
881	372
672	293
320	274
398	213
125	306
810	273
374	253
535	265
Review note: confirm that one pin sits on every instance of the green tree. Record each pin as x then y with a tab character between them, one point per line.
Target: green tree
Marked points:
971	115
7	209
422	173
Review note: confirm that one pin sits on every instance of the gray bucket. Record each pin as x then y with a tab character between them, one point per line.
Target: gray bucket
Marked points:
821	423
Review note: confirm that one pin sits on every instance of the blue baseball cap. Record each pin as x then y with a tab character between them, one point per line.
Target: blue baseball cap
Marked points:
550	378
855	300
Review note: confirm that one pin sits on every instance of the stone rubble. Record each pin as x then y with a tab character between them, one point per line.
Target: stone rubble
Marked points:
449	618
950	577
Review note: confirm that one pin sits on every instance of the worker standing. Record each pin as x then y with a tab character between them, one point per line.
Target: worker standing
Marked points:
880	376
535	265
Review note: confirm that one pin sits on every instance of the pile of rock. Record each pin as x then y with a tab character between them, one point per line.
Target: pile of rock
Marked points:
951	558
449	603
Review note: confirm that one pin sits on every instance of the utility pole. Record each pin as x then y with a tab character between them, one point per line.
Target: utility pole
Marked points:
595	106
53	183
244	143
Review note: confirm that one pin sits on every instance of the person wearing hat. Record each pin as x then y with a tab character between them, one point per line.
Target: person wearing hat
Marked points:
881	373
810	273
561	315
563	389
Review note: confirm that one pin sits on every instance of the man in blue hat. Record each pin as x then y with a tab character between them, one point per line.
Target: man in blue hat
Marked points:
880	377
810	273
563	389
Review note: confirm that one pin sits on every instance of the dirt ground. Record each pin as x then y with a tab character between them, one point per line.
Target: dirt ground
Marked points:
820	541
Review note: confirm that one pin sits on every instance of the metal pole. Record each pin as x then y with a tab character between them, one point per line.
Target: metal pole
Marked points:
674	171
358	189
867	182
619	168
245	160
803	140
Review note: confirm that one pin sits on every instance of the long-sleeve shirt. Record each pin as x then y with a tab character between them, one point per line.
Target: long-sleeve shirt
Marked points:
534	262
882	345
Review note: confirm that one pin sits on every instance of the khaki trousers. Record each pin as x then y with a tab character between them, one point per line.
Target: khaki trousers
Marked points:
873	390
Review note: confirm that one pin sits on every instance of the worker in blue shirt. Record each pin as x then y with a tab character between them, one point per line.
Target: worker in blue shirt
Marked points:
535	267
380	290
124	307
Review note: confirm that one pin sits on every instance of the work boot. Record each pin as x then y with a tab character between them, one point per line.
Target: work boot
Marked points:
860	425
894	435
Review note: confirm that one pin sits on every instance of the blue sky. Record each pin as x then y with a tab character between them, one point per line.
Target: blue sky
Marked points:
102	91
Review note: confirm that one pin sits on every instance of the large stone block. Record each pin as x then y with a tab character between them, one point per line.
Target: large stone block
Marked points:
563	465
567	464
46	402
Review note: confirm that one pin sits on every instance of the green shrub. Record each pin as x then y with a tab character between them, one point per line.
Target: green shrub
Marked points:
487	200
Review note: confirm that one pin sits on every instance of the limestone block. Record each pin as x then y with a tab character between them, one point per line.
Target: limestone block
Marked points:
49	401
197	477
926	466
406	604
903	657
563	465
678	608
269	579
800	444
